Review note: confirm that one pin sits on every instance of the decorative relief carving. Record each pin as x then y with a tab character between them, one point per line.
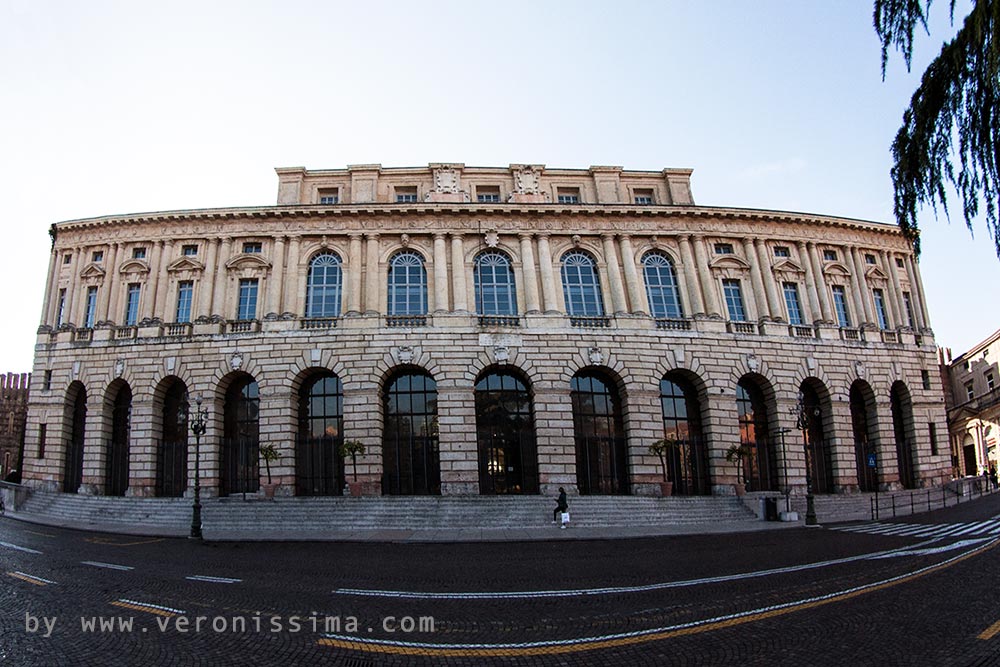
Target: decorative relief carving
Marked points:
404	240
236	361
119	367
527	180
753	363
170	363
404	355
446	179
492	239
859	369
501	354
595	356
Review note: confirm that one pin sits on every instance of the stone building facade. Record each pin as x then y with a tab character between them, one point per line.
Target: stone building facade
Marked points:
13	413
972	393
484	330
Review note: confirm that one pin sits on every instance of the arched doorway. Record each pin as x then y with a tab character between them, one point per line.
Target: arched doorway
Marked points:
599	431
241	437
902	427
319	470
76	407
818	451
865	427
116	463
171	454
760	466
410	458
687	463
505	432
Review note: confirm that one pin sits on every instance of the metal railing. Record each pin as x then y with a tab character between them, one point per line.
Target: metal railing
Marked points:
905	503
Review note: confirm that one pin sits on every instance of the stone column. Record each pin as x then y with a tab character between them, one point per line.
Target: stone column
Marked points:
618	304
275	282
459	294
770	285
547	273
531	298
862	291
147	300
114	286
355	272
813	315
219	297
915	297
49	310
440	274
290	300
691	277
162	282
896	299
922	298
756	279
823	292
708	285
69	309
205	285
636	296
373	275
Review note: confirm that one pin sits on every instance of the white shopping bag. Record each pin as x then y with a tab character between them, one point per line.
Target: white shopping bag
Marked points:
565	518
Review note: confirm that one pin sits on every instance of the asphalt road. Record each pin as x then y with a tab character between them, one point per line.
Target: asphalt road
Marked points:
921	592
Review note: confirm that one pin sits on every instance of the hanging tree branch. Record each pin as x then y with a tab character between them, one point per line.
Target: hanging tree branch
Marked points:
958	100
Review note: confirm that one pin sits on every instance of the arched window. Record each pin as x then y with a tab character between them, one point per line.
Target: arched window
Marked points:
73	462
495	291
319	469
407	284
171	459
862	401
324	286
241	438
505	431
581	288
759	466
902	426
410	464
599	432
687	463
661	286
116	464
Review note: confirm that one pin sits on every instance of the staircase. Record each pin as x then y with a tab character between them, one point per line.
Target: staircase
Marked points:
256	518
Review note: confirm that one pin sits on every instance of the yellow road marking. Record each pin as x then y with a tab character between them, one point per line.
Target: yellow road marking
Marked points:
991	631
139	607
487	651
35	532
108	542
29	579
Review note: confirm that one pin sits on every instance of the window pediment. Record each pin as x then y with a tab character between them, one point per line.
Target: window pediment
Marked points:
133	266
836	269
185	264
788	267
92	272
244	262
722	262
875	273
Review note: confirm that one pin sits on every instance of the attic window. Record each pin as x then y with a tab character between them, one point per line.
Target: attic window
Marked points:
644	197
781	251
830	255
406	194
723	248
253	248
329	195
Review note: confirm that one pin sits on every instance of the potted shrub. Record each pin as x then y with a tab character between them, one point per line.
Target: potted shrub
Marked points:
270	454
353	448
735	455
662	448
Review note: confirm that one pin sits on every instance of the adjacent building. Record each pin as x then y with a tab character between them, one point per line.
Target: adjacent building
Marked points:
484	331
973	401
13	413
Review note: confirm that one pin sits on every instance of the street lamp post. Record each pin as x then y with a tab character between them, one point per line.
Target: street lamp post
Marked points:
802	423
784	458
198	428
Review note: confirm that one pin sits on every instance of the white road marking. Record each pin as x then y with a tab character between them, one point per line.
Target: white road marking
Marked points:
108	566
617	590
32	576
213	580
653	631
961	544
153	606
14	546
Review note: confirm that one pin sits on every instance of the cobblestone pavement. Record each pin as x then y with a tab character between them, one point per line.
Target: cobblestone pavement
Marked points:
897	593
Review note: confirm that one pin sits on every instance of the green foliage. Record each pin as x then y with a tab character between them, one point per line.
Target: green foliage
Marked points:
735	455
661	448
958	100
270	454
352	448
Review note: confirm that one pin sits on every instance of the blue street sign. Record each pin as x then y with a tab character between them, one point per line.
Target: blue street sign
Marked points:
871	460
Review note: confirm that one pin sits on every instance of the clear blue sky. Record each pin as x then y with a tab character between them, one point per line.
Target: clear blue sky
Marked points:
116	107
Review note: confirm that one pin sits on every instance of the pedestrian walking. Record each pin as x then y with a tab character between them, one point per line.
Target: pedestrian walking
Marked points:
561	507
993	476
